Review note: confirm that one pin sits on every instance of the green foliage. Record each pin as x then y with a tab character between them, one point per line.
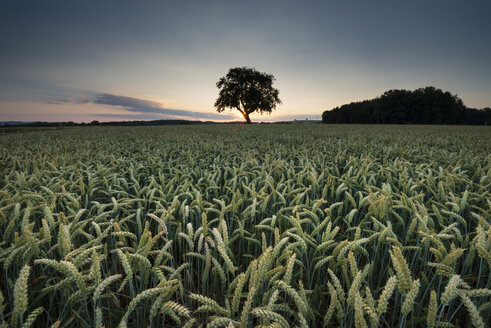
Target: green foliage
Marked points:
235	225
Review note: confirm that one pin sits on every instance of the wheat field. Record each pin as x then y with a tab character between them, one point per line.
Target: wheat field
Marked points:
246	226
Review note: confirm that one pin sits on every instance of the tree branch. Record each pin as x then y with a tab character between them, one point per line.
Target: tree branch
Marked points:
244	109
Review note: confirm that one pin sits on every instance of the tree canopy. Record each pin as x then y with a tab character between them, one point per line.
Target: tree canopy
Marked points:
248	91
422	106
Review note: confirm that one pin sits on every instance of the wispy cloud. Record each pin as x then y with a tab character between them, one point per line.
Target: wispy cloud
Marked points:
144	107
131	117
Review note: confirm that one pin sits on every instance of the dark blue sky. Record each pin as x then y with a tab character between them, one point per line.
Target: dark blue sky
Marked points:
161	59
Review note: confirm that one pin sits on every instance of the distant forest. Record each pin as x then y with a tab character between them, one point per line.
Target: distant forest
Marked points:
422	106
14	124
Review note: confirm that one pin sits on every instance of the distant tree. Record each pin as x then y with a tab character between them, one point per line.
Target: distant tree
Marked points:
422	106
248	91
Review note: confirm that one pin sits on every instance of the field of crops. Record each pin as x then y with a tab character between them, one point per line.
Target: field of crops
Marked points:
246	226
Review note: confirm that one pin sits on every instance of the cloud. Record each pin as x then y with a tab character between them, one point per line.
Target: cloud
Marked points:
145	107
129	103
132	117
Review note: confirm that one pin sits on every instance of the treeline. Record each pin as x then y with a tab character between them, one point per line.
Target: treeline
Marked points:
97	123
422	106
146	123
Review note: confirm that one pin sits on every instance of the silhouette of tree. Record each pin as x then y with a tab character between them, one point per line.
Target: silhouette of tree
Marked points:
248	91
422	106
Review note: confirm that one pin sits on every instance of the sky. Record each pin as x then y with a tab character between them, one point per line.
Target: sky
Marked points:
139	60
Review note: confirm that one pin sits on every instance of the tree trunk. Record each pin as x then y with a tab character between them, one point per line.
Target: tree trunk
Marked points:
246	116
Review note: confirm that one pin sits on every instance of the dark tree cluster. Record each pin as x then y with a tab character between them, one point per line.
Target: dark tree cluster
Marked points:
422	106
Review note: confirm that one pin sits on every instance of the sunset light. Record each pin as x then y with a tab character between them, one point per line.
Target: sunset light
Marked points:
322	54
245	164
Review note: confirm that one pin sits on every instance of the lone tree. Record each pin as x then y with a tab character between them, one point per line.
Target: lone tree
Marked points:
248	91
